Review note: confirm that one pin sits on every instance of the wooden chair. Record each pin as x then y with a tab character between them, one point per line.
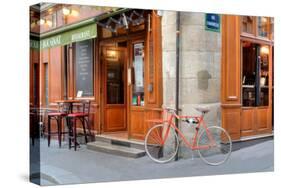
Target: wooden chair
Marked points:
82	114
58	115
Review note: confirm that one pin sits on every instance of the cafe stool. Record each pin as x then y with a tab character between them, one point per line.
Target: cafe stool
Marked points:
83	116
58	116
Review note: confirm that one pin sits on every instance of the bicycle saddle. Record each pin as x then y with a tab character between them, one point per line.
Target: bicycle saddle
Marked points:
202	109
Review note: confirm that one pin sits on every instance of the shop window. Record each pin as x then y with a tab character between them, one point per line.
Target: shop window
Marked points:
138	74
54	20
46	84
84	68
255	78
262	24
65	71
35	83
248	24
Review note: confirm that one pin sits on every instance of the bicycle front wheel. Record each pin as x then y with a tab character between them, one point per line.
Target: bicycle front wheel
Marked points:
214	145
161	143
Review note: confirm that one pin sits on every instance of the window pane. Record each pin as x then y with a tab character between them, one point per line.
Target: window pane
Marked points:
35	83
84	67
54	20
249	74
272	28
138	72
46	83
255	90
247	24
263	75
263	26
115	77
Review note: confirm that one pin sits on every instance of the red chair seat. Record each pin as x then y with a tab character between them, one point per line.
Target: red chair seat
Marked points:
78	114
57	114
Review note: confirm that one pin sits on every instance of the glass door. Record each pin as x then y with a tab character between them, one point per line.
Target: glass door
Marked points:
114	88
136	87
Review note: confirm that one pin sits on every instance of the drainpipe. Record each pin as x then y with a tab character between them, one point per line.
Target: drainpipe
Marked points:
177	70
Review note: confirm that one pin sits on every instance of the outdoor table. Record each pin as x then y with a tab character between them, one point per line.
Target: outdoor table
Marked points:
71	102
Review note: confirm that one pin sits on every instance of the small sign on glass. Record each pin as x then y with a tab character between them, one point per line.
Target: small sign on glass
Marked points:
79	94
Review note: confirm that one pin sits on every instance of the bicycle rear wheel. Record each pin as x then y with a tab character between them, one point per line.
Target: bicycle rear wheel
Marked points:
215	144
156	148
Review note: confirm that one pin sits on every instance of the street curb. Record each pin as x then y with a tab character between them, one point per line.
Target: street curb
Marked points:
41	175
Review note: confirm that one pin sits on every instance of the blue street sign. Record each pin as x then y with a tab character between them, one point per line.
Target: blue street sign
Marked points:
212	22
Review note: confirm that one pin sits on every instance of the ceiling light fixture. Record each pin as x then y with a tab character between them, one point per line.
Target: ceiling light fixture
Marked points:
264	50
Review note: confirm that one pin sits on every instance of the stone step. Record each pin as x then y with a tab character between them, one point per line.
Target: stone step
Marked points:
121	141
115	149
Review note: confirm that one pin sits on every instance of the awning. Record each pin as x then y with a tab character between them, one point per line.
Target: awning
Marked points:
76	32
70	36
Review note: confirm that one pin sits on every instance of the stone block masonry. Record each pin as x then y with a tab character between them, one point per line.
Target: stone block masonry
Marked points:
200	62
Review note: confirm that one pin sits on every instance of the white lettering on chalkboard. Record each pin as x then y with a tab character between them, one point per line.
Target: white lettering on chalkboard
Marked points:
84	67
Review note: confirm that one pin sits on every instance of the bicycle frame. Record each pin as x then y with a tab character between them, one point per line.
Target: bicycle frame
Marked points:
193	145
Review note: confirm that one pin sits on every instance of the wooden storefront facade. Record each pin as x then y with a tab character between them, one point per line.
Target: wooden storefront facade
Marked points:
123	77
247	76
124	71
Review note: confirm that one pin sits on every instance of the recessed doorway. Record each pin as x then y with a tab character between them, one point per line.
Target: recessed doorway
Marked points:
114	65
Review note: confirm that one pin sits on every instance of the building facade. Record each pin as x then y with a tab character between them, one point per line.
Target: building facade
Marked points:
111	55
247	76
124	61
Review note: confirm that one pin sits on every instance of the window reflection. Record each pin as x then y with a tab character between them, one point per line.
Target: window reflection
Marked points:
247	24
115	78
262	26
138	71
255	82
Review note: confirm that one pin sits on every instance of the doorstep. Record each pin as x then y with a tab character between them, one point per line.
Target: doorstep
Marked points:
115	149
117	146
121	141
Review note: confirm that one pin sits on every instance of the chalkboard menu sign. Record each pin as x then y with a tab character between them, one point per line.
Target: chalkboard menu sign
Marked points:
84	67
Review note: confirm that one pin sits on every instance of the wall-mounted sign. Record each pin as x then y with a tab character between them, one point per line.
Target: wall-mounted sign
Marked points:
34	44
75	35
212	22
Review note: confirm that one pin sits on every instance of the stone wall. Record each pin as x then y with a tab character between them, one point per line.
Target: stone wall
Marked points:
200	62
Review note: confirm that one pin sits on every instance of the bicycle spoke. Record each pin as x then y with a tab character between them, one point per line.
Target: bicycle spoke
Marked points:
159	135
155	138
220	145
164	151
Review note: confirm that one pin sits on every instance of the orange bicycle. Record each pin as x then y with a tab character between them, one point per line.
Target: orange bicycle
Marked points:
213	143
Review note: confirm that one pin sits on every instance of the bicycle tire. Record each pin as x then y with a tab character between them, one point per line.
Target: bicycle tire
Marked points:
222	149
158	151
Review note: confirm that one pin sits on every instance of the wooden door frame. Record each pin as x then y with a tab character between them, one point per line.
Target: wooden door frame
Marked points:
103	98
129	106
138	36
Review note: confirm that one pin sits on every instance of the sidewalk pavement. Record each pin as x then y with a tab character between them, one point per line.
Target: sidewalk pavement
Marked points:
64	166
